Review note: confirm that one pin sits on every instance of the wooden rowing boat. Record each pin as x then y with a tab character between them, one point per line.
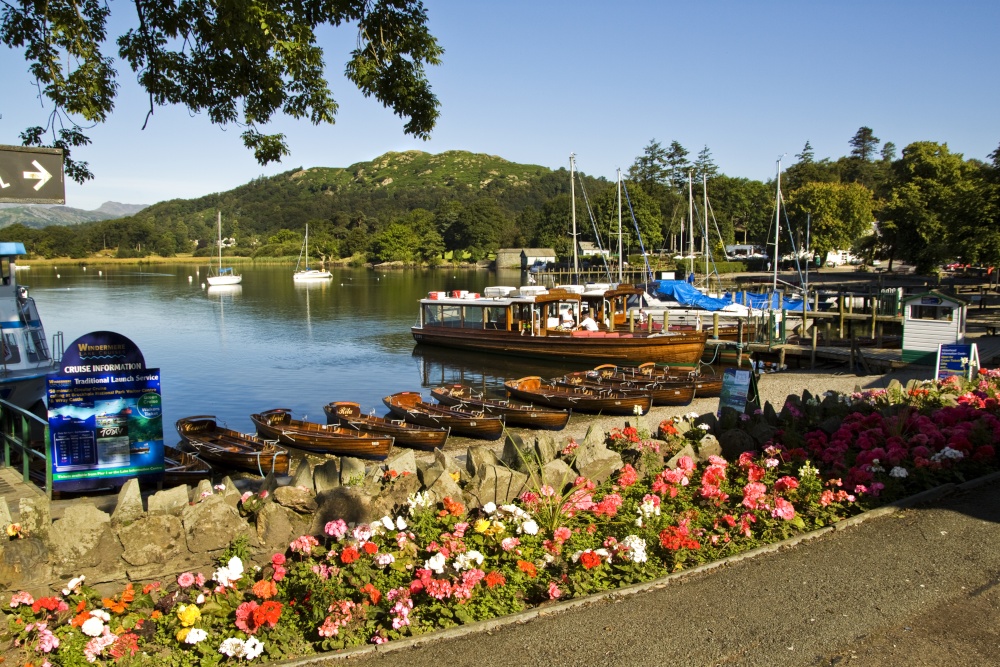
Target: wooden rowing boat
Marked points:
706	386
409	405
582	399
180	467
231	449
664	392
279	425
514	414
348	414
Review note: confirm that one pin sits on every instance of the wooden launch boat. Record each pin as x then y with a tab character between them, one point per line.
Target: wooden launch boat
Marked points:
279	425
582	399
348	414
231	449
667	392
529	325
409	405
180	467
514	414
706	386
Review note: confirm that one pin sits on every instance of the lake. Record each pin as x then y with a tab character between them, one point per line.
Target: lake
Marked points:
271	342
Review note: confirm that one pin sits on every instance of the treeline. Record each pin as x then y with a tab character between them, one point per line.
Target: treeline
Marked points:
925	206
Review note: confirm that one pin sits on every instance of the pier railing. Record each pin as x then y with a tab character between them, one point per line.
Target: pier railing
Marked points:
19	447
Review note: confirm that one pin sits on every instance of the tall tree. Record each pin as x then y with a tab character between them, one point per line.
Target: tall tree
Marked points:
806	156
240	63
704	166
678	165
864	144
650	168
837	215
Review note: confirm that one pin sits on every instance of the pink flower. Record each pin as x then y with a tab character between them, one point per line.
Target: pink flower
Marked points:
562	533
554	592
185	580
509	543
336	529
278	559
783	510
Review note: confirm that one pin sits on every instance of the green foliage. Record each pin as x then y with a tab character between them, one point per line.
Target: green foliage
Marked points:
240	64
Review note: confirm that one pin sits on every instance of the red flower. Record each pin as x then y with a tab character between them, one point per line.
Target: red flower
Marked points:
494	579
127	644
349	555
265	589
268	613
373	593
245	617
589	559
370	548
528	568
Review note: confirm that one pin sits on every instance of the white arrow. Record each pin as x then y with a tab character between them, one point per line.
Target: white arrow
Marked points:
41	175
3	186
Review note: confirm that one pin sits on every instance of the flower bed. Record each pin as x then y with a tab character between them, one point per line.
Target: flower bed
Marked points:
436	565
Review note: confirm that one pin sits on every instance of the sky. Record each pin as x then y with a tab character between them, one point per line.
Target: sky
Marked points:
533	82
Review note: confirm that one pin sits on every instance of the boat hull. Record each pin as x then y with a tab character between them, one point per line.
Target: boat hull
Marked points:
514	414
183	467
227	448
679	347
580	399
312	274
349	415
217	281
320	438
409	406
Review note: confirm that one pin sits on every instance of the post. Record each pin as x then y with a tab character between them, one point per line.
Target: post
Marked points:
715	325
842	297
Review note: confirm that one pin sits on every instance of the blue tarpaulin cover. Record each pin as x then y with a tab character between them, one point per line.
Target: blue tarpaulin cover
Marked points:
687	295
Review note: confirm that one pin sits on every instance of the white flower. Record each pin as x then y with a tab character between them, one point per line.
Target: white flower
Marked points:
490	507
220	487
703	427
363	533
436	563
529	527
233	647
637	409
899	472
252	648
636	548
384	559
400	523
92	627
200	599
388	523
468	560
771	463
74	584
101	614
948	453
229	573
195	635
416	501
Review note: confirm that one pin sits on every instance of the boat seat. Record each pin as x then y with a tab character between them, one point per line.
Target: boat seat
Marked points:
398	422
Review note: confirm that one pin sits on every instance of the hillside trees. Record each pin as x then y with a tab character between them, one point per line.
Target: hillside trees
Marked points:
240	64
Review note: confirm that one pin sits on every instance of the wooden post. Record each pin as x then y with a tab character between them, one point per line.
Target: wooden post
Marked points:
842	297
812	356
715	325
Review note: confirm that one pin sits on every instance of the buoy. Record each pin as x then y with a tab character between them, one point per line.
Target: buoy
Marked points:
58	276
84	268
100	273
190	279
203	285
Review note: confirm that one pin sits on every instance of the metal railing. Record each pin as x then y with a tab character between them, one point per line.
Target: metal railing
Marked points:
16	427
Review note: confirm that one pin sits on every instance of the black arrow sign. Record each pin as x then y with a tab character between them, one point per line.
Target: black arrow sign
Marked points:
31	175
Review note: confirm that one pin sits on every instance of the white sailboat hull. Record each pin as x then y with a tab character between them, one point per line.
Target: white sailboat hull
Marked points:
215	281
311	274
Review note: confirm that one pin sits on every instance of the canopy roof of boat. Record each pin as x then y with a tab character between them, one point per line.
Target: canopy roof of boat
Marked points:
8	248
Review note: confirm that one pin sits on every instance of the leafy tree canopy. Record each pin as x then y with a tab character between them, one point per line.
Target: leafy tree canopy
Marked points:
240	63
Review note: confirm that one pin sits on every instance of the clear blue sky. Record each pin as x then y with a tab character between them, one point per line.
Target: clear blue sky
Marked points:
535	81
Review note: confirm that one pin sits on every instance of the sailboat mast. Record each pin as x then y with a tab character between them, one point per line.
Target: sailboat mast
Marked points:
219	220
777	228
704	230
690	226
572	198
620	258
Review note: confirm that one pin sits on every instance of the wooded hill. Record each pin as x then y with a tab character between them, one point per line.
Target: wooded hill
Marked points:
926	207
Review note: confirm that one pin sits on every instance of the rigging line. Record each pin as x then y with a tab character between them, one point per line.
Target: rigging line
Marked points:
638	234
593	225
795	251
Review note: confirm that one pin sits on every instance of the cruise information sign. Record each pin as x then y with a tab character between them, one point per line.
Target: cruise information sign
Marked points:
105	415
31	175
957	359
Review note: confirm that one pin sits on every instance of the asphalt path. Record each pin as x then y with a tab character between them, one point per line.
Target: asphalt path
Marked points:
915	586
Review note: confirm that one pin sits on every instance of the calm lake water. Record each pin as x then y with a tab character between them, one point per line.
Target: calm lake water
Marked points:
271	342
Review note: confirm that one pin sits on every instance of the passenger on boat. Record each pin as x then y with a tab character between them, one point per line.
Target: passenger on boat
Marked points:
568	318
588	323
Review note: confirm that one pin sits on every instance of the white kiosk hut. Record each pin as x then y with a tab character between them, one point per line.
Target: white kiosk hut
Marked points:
929	320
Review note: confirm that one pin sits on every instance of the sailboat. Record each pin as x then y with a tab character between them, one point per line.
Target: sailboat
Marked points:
224	275
307	273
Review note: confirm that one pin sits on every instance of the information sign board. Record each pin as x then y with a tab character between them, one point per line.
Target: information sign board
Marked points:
735	389
105	415
31	175
957	359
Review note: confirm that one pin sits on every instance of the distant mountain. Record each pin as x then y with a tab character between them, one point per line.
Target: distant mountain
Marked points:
40	216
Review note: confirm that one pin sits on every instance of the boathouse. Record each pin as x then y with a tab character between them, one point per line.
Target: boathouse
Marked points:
929	320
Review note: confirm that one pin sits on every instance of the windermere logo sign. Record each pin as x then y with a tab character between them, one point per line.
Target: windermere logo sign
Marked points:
105	415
